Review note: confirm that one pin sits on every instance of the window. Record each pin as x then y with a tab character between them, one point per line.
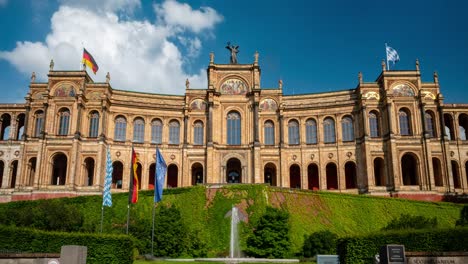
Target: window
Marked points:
174	129
429	124
139	130
120	133
404	123
94	124
347	129
233	128
293	132
64	122
156	131
198	133
39	116
269	133
311	131
374	124
329	130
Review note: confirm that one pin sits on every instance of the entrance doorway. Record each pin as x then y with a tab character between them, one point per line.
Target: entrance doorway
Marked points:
233	171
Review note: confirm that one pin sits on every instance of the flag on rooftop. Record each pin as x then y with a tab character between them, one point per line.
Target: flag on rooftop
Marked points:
89	61
392	55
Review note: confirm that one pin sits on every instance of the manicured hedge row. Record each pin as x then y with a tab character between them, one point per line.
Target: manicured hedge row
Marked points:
362	249
101	248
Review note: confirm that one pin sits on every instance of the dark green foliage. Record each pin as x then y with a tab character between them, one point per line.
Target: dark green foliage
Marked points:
361	249
322	242
406	221
54	214
170	232
119	249
463	221
270	238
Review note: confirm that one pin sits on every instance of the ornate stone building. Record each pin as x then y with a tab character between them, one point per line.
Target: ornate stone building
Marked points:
392	136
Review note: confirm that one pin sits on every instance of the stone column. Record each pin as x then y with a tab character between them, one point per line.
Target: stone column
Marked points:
26	123
78	122
281	130
209	129
13	127
185	130
255	105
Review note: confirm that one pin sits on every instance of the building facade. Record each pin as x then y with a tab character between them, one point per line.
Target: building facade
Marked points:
394	135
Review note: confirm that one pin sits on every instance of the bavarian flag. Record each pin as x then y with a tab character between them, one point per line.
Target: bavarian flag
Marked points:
133	189
89	60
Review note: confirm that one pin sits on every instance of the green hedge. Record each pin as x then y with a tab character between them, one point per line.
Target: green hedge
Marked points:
362	249
101	248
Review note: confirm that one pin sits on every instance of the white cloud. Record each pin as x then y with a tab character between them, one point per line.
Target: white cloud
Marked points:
111	6
139	55
3	3
175	14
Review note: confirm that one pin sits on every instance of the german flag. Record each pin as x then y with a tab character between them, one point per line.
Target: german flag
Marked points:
89	60
133	190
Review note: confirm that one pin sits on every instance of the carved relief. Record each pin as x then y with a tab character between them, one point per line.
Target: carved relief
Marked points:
65	90
371	95
233	86
198	105
402	90
94	95
428	95
38	95
268	105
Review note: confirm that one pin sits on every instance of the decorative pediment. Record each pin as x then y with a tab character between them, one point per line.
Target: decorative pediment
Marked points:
402	90
198	105
233	87
268	105
38	95
427	95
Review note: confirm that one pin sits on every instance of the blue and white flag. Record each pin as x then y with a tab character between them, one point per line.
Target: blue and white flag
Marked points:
160	174
392	54
106	195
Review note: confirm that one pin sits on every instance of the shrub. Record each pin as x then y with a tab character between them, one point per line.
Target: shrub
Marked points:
119	249
463	221
406	221
170	232
361	249
270	238
322	242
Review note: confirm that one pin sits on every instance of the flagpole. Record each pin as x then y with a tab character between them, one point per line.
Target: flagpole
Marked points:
128	216
102	216
386	57
152	231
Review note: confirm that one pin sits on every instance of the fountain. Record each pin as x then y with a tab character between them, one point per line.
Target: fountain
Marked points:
234	250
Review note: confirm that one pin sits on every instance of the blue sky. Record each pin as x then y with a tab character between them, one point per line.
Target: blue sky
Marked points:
153	46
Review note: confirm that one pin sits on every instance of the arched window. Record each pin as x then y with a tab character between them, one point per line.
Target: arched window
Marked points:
463	126
89	171
59	170
449	128
20	126
156	131
313	177
2	168
311	131
94	124
437	168
269	132
347	129
350	175
404	118
120	132
64	122
13	173
39	123
5	121
233	128
456	175
429	124
329	130
117	174
138	130
374	124
197	174
332	176
295	176
174	133
198	133
293	132
409	169
379	172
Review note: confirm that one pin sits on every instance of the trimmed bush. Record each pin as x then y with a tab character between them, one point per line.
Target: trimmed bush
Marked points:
362	249
463	221
322	242
119	249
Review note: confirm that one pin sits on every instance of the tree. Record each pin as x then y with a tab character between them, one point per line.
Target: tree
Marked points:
170	232
270	238
322	242
406	221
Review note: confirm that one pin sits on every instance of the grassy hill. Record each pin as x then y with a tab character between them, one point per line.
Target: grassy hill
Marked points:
204	211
